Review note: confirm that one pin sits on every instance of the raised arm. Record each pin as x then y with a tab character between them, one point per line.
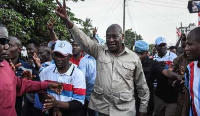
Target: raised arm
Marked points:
50	28
79	36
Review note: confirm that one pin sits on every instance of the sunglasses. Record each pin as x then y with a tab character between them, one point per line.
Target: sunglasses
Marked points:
4	41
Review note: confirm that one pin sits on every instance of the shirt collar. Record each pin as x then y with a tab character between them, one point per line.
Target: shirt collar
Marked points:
69	71
2	63
156	55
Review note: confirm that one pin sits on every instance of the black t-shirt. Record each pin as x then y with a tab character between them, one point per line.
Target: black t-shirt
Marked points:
164	89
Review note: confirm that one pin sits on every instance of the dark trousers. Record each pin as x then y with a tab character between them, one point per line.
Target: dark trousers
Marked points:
29	110
87	110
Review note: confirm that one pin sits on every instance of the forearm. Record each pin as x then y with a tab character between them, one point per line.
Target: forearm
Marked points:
24	86
69	24
169	74
53	35
71	105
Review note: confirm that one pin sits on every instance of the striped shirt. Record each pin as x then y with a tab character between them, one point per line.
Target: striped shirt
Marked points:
192	82
167	58
74	87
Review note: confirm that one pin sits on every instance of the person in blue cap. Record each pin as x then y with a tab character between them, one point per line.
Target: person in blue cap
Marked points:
152	70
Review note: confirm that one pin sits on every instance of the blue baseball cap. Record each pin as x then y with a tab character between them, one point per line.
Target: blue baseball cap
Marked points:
141	46
160	40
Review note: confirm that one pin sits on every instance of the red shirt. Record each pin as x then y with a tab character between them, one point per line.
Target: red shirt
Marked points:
10	86
75	61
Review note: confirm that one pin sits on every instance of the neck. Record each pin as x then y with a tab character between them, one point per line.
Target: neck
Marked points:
161	55
63	70
15	60
77	56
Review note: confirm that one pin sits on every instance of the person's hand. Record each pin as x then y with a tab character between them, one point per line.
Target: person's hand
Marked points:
27	75
37	60
142	114
50	24
171	67
61	10
182	70
95	31
14	67
179	81
50	103
56	87
57	112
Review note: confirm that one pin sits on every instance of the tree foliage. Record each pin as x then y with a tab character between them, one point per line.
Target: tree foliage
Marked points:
27	19
130	38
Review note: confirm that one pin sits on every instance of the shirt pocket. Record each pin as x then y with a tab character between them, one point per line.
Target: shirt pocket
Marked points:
98	92
128	70
9	101
124	102
105	63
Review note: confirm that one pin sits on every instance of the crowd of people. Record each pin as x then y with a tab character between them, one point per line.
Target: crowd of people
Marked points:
93	77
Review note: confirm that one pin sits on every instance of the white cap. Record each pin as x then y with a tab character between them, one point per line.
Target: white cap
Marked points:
63	47
160	40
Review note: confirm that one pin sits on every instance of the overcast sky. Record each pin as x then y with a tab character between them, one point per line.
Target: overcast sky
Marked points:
150	18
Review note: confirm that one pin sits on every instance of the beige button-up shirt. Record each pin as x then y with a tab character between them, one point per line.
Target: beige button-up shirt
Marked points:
113	92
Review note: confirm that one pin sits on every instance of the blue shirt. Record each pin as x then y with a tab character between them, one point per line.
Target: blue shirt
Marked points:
100	40
88	66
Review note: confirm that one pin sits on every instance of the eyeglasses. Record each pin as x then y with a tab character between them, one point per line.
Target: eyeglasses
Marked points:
113	36
4	41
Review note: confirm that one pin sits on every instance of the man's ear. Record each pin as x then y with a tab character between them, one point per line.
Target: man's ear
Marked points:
20	48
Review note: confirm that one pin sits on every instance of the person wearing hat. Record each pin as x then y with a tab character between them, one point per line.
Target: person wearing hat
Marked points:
69	102
166	95
152	70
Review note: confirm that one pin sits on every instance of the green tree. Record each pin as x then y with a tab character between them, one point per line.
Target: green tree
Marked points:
87	27
27	19
130	37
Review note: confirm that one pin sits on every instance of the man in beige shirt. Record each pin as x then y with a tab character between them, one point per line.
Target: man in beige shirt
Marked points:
118	70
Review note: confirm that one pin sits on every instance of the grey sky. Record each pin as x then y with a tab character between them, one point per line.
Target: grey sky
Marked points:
150	18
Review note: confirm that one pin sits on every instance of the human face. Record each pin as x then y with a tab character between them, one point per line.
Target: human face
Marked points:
161	49
31	49
192	48
14	50
5	46
42	54
61	61
76	48
142	55
3	42
114	40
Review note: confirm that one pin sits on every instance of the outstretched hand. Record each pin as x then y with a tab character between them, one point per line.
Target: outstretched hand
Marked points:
61	10
56	87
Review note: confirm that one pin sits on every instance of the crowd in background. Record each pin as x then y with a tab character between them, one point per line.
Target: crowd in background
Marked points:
96	77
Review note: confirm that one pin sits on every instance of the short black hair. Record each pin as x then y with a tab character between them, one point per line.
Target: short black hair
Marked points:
172	47
19	43
195	33
32	41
